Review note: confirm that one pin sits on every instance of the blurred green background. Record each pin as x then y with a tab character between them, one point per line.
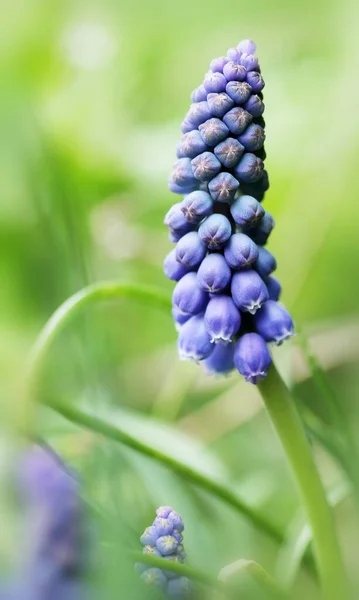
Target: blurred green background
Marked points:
93	94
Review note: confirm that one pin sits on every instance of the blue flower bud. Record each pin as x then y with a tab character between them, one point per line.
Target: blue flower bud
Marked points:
179	588
261	232
178	536
252	138
215	82
249	169
239	91
249	61
257	189
163	526
223	187
149	536
213	131
179	318
246	211
217	64
265	263
205	166
166	545
274	288
247	47
196	206
233	54
182	172
234	71
248	291
237	120
252	358
199	94
274	323
254	106
176	521
174	236
255	80
221	360
176	221
154	578
240	252
190	250
194	343
219	104
229	152
222	318
187	125
213	274
215	231
181	189
188	297
198	113
191	145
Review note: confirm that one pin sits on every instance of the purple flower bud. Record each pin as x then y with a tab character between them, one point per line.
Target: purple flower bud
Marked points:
252	138
178	536
198	113
205	166
237	120
190	250
254	106
263	229
217	64
182	172
215	231
194	343
221	360
223	187
246	211
214	274
176	521
249	169
249	61
240	252
247	47
176	221
234	72
239	91
255	80
188	297
196	206
222	318
274	288
179	318
163	511
252	358
149	536
181	189
187	125
265	263
174	236
215	82
219	104
274	323
199	94
213	131
154	578
257	189
234	54
162	526
229	152
248	291
190	145
179	588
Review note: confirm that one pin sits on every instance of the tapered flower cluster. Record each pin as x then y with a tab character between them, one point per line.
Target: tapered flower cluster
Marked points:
225	303
164	539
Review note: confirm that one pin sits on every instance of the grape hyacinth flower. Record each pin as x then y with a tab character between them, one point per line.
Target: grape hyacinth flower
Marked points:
164	539
225	303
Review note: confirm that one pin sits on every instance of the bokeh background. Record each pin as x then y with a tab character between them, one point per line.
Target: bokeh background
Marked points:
92	97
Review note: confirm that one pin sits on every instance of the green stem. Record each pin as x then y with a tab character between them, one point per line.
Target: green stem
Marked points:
105	291
286	421
116	434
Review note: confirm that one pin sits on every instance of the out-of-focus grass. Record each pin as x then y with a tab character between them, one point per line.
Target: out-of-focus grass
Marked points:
92	98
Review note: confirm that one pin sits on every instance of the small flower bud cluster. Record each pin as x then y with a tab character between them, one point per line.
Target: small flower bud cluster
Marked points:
225	303
164	539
